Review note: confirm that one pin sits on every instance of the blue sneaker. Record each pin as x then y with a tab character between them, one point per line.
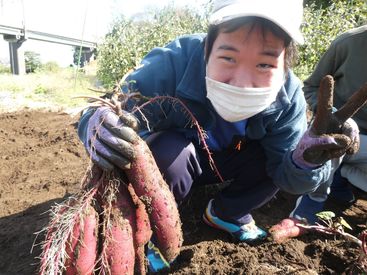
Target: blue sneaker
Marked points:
156	261
306	209
340	189
244	233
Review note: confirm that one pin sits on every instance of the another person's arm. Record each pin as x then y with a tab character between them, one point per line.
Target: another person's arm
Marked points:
326	66
282	138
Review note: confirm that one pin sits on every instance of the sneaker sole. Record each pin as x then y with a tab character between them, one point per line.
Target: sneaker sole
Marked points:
234	238
205	219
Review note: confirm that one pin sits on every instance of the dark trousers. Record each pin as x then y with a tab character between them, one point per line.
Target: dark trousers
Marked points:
183	165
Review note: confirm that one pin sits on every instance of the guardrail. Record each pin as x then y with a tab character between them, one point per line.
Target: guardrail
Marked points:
22	33
11	31
16	36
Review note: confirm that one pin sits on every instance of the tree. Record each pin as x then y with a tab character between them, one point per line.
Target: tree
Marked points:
32	61
130	40
322	25
83	55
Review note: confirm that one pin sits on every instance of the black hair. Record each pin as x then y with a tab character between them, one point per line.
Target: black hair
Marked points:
265	25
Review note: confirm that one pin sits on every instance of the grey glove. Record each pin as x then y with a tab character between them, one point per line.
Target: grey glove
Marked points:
108	140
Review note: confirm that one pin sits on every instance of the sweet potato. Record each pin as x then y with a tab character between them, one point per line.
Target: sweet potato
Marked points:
81	247
120	246
119	241
142	230
151	188
286	229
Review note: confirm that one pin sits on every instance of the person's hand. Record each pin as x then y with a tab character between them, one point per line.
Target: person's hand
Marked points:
108	140
331	134
351	129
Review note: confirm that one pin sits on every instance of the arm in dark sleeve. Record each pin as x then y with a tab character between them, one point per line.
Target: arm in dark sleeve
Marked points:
156	73
83	124
167	72
162	70
325	66
279	143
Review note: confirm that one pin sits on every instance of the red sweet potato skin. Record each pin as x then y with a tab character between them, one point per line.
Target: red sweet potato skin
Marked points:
286	229
82	245
70	250
142	230
120	246
151	188
119	238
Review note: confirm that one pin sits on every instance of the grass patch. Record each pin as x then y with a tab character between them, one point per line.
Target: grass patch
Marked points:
46	89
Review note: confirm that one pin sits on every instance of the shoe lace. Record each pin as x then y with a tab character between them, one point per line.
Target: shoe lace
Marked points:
248	227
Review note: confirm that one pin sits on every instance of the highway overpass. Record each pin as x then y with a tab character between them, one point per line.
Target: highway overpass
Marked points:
16	36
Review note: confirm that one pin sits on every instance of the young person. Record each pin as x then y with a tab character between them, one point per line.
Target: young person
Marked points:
237	82
344	60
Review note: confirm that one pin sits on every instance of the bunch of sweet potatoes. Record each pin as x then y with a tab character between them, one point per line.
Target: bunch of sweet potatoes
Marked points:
105	228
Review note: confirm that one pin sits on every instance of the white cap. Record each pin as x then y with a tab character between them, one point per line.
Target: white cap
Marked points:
287	14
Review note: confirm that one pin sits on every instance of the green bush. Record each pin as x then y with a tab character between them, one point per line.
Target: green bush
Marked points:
322	4
51	67
322	26
32	61
4	69
129	41
41	90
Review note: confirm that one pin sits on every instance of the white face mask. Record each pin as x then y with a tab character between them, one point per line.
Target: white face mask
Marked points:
234	103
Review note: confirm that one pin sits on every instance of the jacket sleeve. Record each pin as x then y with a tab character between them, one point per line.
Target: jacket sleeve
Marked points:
159	74
159	71
168	73
283	135
325	66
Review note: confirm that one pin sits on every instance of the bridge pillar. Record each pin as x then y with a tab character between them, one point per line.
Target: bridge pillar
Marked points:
85	54
89	53
17	61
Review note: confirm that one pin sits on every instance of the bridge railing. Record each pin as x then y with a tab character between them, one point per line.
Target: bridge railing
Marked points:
16	36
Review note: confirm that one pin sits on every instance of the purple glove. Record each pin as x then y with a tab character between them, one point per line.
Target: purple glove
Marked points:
332	134
108	140
351	129
313	150
307	141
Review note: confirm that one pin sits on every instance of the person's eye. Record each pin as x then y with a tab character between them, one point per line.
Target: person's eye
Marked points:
265	66
227	59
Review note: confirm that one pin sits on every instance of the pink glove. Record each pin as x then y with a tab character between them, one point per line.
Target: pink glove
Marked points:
313	150
307	141
332	134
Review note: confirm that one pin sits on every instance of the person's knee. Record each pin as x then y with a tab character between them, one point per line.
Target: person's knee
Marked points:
355	175
177	160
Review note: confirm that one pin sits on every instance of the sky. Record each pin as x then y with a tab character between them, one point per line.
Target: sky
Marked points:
81	19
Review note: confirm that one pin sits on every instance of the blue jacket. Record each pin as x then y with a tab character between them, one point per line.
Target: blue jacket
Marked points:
178	70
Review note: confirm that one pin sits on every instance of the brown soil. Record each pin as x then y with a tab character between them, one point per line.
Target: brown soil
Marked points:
42	162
